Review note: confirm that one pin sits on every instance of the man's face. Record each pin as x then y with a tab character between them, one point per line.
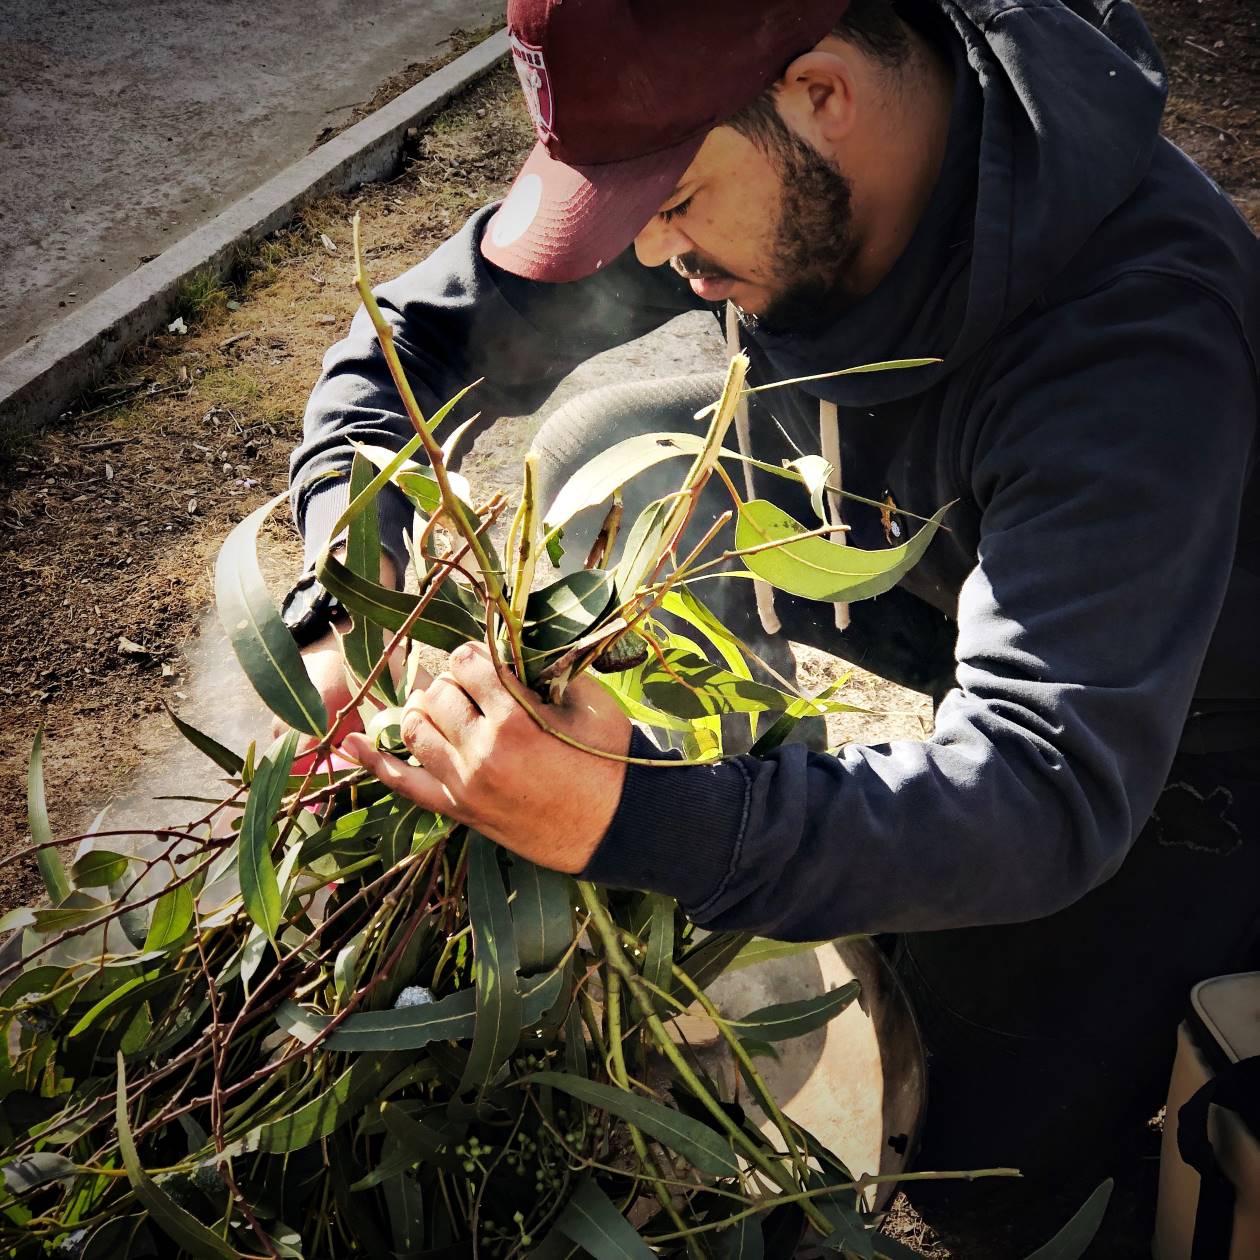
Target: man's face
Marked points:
765	224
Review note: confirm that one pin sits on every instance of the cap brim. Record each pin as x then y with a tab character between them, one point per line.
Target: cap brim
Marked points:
560	223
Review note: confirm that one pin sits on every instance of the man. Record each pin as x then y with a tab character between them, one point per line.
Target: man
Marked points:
1077	842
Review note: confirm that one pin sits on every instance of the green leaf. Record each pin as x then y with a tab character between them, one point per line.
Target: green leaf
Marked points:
849	1234
260	889
17	919
37	1169
180	1226
364	642
315	1119
172	913
51	870
98	868
222	757
405	1205
1072	1240
560	613
641	554
542	914
707	960
75	909
446	622
795	1019
694	1141
592	1221
705	689
138	989
762	950
412	1027
743	1241
265	648
658	959
815	568
599	478
499	1014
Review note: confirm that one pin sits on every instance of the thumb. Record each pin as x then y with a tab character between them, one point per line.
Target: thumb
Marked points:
413	782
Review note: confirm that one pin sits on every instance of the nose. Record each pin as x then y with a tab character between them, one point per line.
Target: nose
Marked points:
660	241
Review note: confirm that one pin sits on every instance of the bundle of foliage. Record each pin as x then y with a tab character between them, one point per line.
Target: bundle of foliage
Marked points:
319	1021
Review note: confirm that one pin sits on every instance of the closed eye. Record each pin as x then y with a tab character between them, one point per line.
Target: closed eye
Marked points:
676	212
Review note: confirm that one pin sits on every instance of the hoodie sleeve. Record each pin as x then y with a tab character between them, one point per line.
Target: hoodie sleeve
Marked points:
457	318
1107	448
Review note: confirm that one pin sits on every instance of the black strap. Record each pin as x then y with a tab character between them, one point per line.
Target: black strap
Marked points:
1236	1089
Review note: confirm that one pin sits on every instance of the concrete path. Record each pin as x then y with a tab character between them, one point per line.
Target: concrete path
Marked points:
125	125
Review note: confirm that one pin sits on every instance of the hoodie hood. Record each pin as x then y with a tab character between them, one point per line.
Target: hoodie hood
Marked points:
1055	118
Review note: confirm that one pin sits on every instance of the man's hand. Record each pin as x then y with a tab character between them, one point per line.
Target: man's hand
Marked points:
485	762
327	669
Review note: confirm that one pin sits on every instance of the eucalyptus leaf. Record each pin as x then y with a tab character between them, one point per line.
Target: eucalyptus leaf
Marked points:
181	1226
815	568
364	643
172	913
98	868
795	1019
260	889
47	859
499	1014
558	614
222	757
37	1169
590	1220
1071	1242
262	643
542	915
695	1142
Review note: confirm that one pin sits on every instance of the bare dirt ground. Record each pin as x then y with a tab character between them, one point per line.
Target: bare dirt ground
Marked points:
110	524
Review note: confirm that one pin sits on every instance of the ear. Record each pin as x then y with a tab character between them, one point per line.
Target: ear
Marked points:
818	96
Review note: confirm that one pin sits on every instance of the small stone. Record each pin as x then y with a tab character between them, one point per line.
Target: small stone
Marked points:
327	242
192	507
129	647
177	326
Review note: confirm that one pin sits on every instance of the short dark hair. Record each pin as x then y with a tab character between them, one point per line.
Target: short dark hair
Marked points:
871	24
875	26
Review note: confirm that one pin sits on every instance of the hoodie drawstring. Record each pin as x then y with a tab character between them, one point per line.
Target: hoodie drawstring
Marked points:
829	439
763	592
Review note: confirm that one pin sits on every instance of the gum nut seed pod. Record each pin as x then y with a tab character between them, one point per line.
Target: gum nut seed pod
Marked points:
625	652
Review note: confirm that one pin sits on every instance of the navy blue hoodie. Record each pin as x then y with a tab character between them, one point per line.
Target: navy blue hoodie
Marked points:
1095	300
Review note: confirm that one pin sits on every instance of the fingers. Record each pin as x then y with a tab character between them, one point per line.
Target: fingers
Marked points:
470	666
447	706
413	782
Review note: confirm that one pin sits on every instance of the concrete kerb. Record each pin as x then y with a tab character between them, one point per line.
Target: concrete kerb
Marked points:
40	379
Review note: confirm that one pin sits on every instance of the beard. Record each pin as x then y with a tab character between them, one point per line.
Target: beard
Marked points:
813	245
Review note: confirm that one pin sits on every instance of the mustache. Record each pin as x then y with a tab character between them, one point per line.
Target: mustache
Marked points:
693	266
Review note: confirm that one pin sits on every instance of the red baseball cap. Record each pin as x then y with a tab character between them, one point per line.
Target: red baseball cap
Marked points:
622	94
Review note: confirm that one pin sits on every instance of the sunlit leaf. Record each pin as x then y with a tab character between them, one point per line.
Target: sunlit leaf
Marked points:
98	868
445	624
260	889
222	757
558	614
364	642
172	913
815	568
265	648
51	870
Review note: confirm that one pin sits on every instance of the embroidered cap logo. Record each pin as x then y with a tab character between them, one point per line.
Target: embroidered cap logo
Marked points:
536	84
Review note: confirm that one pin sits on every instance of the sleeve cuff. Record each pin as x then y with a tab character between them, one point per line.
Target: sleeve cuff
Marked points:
676	831
321	508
